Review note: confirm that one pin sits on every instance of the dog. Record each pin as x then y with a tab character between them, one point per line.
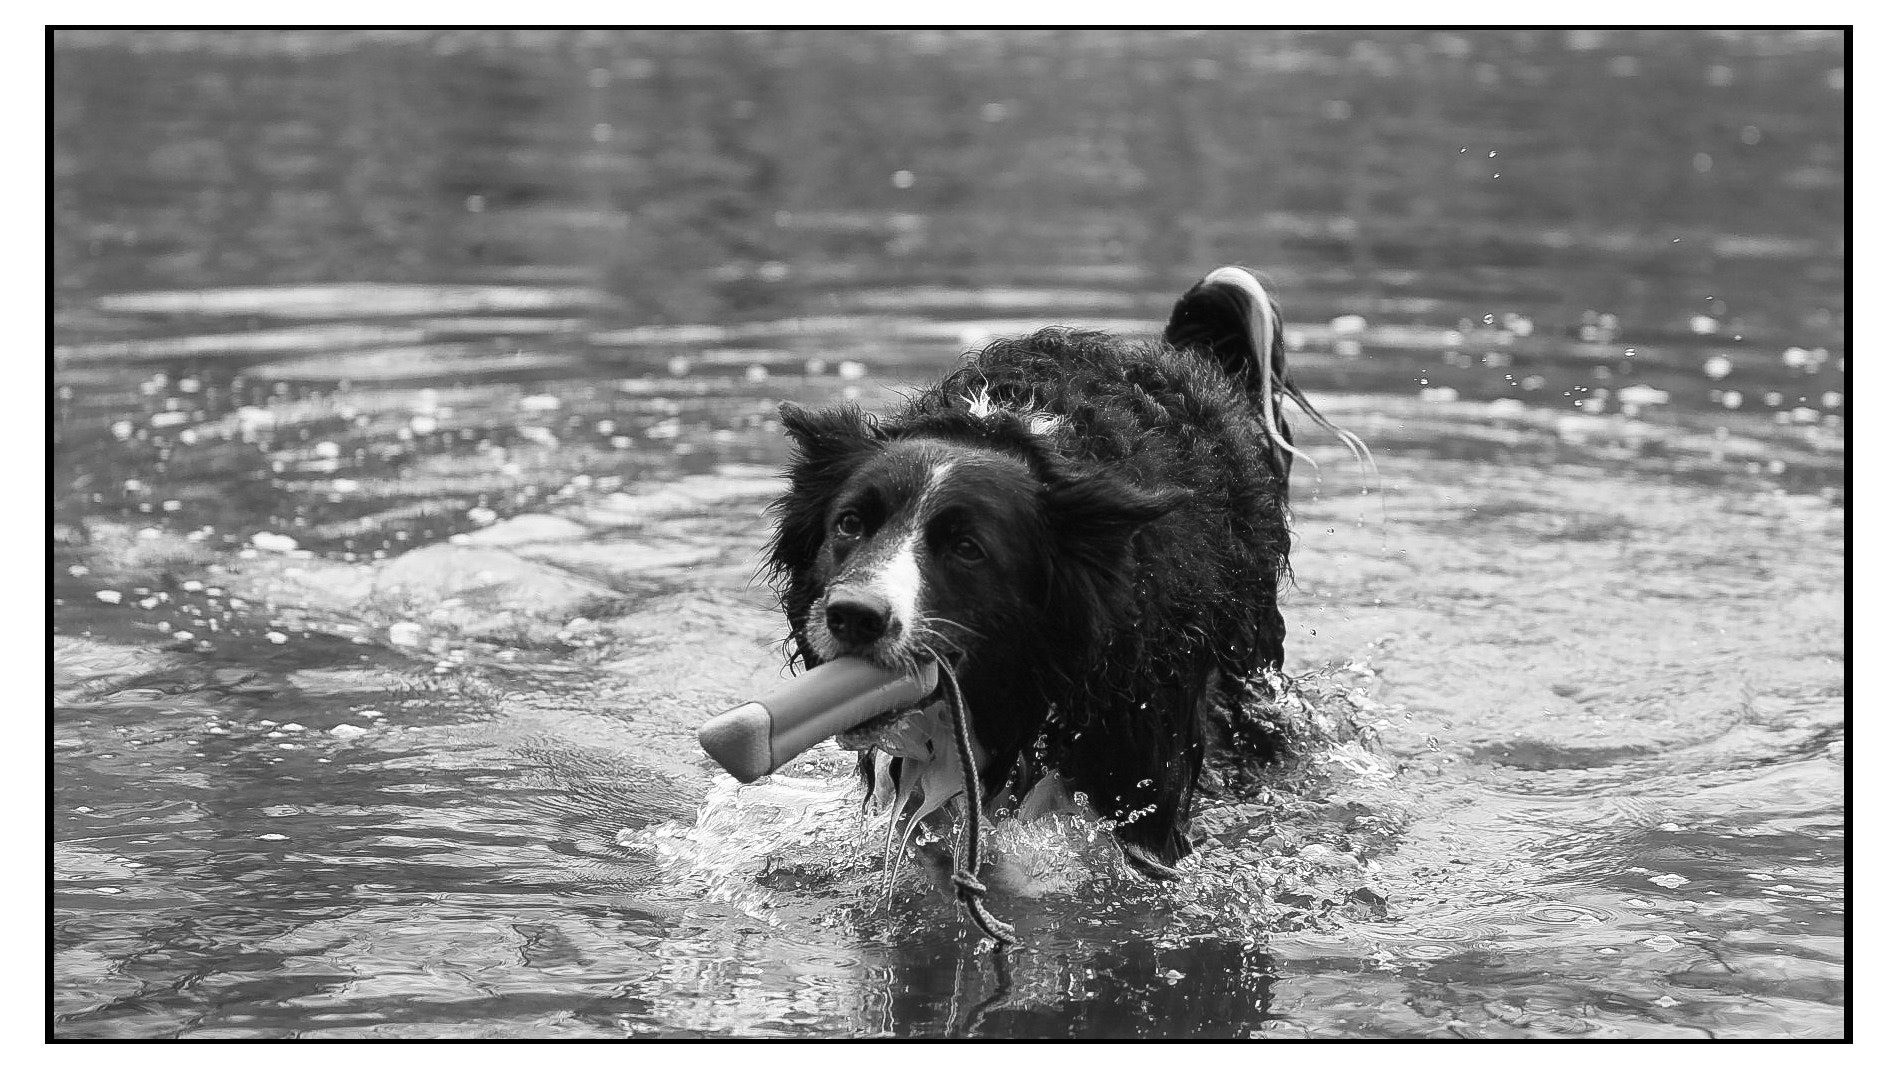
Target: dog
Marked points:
1089	532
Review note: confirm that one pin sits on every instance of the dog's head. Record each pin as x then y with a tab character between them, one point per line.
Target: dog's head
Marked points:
954	541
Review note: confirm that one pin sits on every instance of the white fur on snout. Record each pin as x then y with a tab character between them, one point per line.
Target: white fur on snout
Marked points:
897	580
900	582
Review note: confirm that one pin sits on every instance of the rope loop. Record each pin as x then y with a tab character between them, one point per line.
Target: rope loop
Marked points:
968	889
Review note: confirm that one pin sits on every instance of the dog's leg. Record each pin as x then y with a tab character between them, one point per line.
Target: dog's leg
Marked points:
1138	766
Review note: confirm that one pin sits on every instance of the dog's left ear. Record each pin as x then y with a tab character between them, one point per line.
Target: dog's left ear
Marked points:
1094	517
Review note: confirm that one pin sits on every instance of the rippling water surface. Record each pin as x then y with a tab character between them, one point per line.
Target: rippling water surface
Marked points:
389	592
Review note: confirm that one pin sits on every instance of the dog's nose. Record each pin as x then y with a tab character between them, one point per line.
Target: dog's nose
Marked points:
857	619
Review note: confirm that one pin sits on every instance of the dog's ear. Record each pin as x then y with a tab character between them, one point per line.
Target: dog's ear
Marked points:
829	446
1094	517
819	431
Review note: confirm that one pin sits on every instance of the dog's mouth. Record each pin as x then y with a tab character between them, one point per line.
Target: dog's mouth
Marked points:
871	734
898	732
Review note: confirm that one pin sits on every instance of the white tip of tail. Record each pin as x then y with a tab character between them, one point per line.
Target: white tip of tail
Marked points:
1262	323
1262	333
1263	326
1236	276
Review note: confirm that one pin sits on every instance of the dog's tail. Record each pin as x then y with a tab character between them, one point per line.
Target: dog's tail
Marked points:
1230	316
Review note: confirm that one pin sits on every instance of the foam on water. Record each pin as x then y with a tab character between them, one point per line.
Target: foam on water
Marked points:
813	837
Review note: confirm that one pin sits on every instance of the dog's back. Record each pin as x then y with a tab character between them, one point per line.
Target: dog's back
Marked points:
1193	602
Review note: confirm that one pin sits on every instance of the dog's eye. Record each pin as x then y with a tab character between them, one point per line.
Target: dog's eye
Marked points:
850	525
968	550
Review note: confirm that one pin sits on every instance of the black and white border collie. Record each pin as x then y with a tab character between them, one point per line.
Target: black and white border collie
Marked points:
1090	532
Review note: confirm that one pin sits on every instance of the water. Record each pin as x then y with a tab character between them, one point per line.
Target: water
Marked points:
414	422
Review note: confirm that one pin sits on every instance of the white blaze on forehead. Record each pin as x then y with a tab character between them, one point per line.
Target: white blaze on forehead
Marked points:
898	576
938	475
901	576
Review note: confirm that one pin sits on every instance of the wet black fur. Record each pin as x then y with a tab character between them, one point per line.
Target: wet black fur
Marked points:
1146	545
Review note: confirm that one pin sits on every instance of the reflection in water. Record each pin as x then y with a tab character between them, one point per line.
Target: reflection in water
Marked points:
415	420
